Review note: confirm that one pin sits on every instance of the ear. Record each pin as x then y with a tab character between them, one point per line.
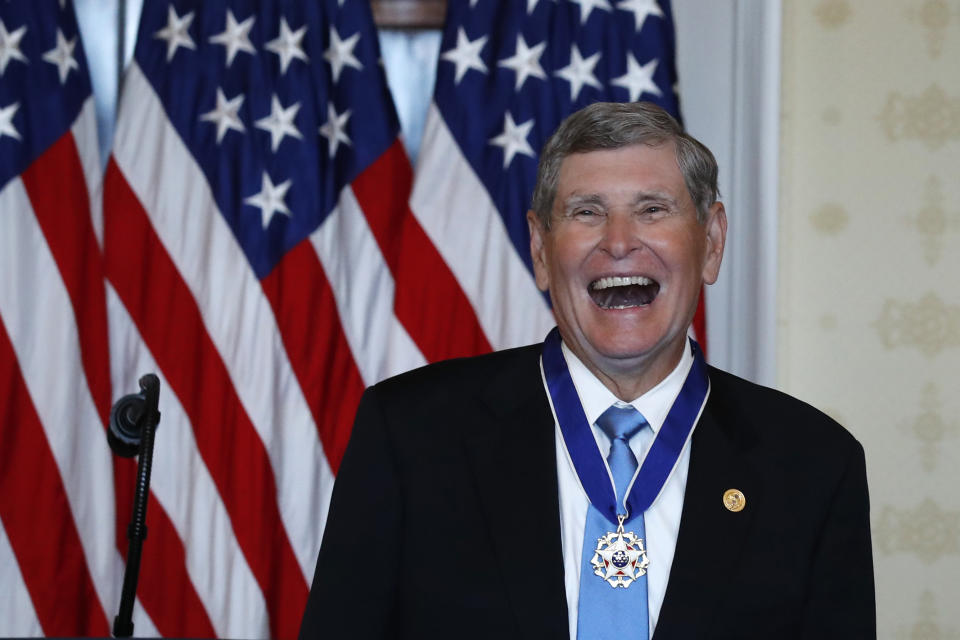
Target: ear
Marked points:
538	251
716	228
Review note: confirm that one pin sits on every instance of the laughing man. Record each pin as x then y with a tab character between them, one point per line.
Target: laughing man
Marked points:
606	483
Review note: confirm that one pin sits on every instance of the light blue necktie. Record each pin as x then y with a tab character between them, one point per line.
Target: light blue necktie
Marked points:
605	612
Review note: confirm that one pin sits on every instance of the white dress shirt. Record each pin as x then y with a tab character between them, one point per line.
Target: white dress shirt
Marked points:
662	519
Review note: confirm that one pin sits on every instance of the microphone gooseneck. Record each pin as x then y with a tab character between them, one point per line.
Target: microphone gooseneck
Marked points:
133	422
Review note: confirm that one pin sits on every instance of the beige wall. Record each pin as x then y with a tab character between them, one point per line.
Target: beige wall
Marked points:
869	295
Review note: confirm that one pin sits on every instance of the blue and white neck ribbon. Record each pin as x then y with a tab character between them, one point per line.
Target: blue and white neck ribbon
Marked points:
582	446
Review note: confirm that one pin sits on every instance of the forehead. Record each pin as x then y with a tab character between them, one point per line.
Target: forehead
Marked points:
628	170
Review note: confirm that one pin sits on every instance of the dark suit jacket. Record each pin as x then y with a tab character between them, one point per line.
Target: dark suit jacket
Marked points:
444	521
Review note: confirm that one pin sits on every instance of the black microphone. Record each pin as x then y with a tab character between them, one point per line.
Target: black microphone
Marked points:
133	422
125	427
127	417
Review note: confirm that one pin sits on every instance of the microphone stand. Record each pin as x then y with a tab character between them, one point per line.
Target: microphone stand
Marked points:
147	421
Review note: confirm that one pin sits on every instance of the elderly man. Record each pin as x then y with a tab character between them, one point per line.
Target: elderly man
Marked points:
607	483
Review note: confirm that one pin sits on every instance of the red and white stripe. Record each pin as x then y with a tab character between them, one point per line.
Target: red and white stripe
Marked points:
478	250
16	608
203	546
256	476
56	473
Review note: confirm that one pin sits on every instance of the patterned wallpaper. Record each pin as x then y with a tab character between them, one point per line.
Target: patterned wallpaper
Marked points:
869	307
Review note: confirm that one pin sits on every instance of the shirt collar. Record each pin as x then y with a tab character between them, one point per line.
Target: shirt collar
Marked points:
654	405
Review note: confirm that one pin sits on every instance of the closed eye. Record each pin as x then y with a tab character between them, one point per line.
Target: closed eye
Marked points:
586	214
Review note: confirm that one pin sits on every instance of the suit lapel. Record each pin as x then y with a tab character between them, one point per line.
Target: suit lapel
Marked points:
511	447
711	536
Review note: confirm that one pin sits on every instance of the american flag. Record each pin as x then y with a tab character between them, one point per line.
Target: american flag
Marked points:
257	245
256	241
59	561
509	72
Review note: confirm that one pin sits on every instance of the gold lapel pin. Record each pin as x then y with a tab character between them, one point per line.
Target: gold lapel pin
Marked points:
734	500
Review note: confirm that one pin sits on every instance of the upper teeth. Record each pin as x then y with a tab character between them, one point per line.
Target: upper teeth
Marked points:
619	281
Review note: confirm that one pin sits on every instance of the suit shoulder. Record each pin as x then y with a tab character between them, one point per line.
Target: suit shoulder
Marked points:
455	375
773	413
416	406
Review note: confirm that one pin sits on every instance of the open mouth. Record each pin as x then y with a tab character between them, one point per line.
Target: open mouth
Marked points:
623	292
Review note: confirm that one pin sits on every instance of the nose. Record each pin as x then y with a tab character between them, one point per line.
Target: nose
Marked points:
620	235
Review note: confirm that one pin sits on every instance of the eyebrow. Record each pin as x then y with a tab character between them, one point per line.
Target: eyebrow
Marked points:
576	200
647	196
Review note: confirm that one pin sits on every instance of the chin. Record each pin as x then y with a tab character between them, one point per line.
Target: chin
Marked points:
638	347
624	346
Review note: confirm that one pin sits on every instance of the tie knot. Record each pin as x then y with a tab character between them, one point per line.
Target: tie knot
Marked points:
621	422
